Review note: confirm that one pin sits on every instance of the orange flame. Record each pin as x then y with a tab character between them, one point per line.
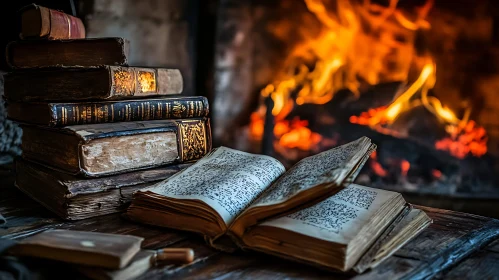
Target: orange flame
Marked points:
465	136
436	173
404	167
345	53
341	53
464	139
376	166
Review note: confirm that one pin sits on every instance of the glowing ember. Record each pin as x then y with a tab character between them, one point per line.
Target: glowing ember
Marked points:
291	134
404	167
436	173
376	166
301	138
464	139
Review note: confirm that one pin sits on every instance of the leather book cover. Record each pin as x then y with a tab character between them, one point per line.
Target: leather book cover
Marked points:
25	54
74	198
91	83
64	114
105	149
41	22
81	247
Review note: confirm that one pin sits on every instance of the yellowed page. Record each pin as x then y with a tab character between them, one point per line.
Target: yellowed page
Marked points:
331	167
227	180
339	218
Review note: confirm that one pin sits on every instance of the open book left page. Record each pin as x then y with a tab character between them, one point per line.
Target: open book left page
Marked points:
207	196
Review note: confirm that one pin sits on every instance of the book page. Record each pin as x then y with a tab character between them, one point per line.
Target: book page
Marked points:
337	219
331	166
227	180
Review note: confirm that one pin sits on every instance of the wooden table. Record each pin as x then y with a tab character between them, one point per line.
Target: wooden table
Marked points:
456	245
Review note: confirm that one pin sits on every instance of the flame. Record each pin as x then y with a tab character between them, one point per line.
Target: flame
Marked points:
436	173
404	167
362	42
464	139
465	136
388	114
292	134
376	166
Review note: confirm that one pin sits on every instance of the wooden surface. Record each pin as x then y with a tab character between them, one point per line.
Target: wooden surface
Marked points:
456	245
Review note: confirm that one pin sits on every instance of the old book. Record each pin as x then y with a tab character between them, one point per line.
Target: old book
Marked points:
67	53
80	247
64	114
91	83
235	199
73	198
104	149
140	263
41	22
403	232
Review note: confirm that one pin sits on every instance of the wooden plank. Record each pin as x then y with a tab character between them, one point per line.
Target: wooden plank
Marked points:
451	238
447	227
483	265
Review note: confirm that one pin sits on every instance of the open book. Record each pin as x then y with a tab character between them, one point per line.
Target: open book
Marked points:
236	199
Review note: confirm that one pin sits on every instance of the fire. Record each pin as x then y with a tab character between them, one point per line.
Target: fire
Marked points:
436	173
362	42
301	137
291	134
465	136
404	167
376	166
464	139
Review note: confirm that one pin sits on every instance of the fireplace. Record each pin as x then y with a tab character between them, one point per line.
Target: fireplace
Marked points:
419	77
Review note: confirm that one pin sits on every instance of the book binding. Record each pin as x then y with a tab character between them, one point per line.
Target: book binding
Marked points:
64	114
56	24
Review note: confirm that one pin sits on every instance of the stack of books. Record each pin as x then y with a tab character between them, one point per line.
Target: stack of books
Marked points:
95	129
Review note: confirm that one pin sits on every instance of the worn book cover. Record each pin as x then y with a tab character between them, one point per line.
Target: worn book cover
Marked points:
74	198
309	213
25	54
104	149
91	83
66	114
105	250
40	22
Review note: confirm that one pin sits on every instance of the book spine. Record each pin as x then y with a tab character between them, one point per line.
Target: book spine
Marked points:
87	52
134	81
64	26
137	110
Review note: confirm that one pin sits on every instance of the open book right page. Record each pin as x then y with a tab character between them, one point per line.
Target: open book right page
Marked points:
350	219
339	218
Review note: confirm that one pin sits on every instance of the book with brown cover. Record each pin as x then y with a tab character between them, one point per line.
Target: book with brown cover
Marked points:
104	149
74	198
91	83
41	22
67	53
80	247
63	114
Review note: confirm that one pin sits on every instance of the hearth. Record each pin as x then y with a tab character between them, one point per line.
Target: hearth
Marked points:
293	78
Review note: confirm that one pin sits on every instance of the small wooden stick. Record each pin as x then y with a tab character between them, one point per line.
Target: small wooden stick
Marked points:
173	256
